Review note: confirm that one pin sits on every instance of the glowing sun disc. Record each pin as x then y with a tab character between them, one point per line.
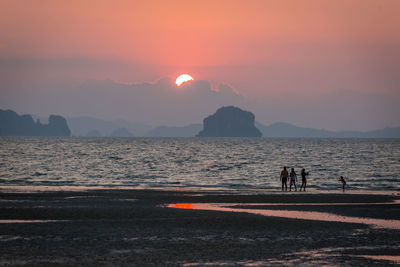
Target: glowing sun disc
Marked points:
183	78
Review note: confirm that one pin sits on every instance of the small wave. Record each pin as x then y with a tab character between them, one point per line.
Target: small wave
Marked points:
134	176
115	158
38	174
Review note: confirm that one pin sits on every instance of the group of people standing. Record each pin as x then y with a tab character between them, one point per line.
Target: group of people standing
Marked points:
293	179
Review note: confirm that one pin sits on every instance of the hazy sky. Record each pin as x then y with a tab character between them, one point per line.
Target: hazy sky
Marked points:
317	63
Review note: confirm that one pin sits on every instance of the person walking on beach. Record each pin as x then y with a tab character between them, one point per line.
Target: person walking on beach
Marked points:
284	177
303	179
293	179
341	179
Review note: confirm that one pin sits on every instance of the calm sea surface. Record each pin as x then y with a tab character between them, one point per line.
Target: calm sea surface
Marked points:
231	163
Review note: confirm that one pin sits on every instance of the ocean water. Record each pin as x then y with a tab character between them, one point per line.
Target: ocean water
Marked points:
213	163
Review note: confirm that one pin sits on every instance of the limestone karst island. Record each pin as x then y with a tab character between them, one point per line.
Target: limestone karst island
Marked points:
230	122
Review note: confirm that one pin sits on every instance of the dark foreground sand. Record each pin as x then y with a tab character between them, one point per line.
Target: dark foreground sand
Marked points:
131	227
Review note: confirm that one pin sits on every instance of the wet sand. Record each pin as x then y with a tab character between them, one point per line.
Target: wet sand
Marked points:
134	227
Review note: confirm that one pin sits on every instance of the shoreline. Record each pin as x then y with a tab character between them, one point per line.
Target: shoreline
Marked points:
206	190
130	227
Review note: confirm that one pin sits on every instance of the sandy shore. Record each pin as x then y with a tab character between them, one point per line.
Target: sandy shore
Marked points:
133	227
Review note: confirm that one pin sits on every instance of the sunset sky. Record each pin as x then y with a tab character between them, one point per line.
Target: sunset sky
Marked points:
315	63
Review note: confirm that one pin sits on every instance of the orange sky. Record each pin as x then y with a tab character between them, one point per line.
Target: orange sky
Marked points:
194	33
262	48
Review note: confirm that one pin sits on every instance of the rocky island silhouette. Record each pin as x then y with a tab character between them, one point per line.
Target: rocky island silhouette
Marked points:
12	124
230	122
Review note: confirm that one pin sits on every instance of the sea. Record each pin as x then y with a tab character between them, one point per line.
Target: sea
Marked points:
198	163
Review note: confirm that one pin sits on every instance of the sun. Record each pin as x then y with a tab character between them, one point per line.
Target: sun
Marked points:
183	78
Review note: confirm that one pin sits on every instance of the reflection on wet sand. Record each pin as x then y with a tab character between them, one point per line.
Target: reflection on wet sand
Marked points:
338	252
397	201
395	259
320	261
187	206
304	215
320	257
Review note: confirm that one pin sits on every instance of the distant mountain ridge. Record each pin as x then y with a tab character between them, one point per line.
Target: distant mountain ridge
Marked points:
12	124
121	132
275	130
287	130
89	126
175	131
281	129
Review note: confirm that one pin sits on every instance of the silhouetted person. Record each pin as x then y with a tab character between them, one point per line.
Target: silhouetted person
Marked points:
303	179
341	179
293	179
284	177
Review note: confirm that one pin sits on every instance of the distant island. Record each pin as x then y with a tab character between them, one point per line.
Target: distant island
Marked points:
94	127
175	131
93	133
286	130
12	124
121	132
89	126
230	122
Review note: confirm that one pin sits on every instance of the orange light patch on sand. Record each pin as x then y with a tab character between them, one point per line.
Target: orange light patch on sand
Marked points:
187	206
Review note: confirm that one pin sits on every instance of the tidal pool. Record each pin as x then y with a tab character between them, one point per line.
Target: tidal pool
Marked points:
291	214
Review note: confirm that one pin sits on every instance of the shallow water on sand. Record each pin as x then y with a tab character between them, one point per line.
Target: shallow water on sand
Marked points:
227	163
292	214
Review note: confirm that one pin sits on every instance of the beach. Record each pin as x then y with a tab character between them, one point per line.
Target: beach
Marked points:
160	133
127	227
